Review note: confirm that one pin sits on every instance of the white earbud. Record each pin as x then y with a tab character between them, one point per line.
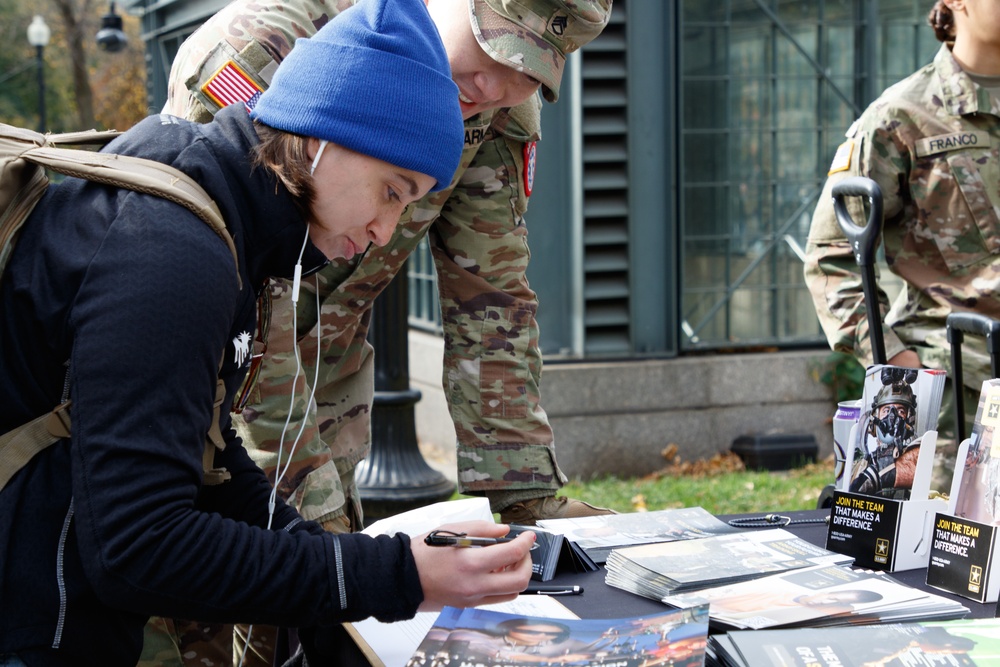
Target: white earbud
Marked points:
319	154
297	280
297	276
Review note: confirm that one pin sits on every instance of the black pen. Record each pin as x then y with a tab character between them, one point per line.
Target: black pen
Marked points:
445	538
532	589
437	539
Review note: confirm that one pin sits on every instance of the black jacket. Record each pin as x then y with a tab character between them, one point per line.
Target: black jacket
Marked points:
141	297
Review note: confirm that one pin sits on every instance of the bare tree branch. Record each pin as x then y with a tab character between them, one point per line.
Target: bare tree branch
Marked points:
75	16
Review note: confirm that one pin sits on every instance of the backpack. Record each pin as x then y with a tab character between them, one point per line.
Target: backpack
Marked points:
24	157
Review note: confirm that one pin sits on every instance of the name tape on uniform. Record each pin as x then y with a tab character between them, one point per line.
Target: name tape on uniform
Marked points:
951	142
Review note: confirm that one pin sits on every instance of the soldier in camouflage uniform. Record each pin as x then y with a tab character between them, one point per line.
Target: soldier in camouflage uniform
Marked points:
502	52
931	142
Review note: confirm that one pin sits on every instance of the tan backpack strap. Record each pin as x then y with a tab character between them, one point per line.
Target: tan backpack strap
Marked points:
214	441
19	446
80	138
97	138
140	175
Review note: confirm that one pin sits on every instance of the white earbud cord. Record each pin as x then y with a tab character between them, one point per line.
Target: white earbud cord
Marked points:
309	404
279	471
296	284
272	500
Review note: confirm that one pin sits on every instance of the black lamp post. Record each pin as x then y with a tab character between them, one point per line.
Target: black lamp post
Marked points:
38	37
110	37
395	478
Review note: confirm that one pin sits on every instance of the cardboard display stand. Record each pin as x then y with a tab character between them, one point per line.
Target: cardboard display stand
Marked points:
963	551
962	558
884	533
881	533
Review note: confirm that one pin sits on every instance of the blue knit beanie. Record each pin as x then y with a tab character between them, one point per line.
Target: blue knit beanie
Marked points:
375	80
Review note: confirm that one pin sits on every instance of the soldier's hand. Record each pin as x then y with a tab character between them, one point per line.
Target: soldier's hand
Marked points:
472	576
906	359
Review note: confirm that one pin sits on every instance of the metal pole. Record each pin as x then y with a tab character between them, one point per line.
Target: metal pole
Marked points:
39	50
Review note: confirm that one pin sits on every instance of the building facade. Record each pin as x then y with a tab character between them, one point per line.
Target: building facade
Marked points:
675	183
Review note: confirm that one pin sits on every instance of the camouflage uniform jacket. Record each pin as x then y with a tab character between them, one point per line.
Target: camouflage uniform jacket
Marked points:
931	142
475	227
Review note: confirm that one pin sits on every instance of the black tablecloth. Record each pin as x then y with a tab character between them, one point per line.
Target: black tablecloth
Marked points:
602	601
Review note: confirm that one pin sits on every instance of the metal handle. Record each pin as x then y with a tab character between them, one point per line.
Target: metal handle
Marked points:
957	325
864	242
974	323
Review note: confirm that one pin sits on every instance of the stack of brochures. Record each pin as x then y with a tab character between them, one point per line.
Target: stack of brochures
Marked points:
977	497
660	569
483	638
598	535
961	642
823	595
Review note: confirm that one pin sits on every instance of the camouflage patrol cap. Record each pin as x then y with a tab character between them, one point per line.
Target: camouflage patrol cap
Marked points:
535	36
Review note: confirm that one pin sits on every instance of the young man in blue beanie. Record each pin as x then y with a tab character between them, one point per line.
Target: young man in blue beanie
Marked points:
135	313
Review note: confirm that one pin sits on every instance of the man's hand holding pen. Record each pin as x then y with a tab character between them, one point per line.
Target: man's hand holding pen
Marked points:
449	538
497	571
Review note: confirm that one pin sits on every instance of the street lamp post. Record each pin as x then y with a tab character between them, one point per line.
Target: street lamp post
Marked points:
38	37
110	37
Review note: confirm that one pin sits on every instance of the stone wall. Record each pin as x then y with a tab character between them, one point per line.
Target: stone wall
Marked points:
617	417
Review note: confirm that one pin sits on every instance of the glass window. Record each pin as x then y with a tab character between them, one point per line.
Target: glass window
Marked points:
791	81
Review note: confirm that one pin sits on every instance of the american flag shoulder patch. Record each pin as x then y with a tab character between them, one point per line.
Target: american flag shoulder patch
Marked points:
229	85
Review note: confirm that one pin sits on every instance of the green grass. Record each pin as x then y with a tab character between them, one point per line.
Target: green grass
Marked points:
725	492
720	485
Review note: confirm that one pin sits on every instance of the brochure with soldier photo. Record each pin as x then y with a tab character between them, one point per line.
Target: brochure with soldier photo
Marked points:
973	642
478	637
978	495
394	644
819	596
656	570
888	455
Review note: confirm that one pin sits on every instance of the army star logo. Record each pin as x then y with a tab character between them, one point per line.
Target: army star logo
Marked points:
241	345
882	547
991	412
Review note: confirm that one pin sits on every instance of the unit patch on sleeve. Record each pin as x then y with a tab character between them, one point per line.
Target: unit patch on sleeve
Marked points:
530	149
842	159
